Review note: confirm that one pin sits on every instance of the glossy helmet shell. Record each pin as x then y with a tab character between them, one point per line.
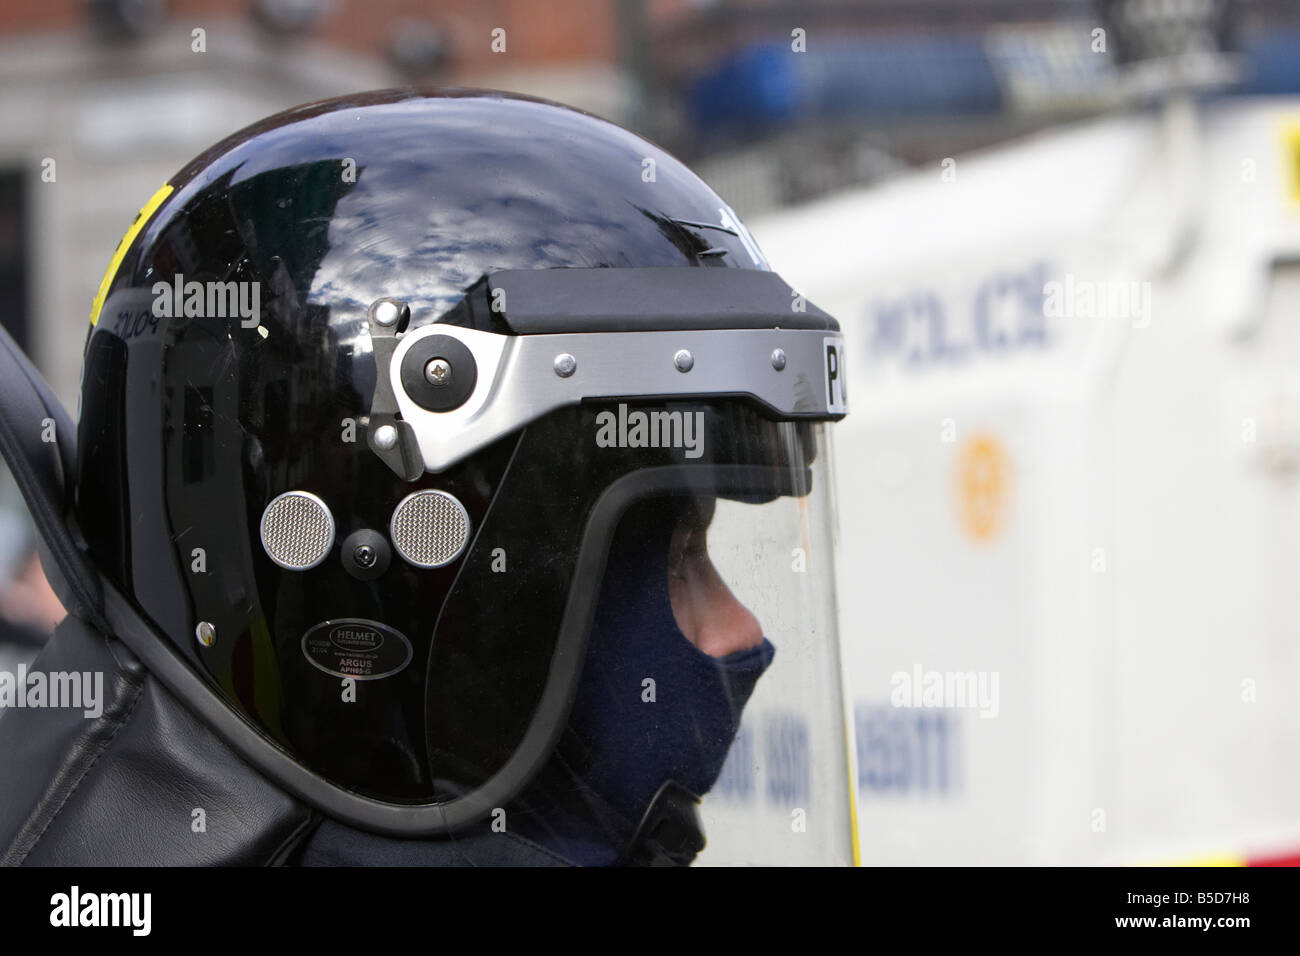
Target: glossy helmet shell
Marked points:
190	424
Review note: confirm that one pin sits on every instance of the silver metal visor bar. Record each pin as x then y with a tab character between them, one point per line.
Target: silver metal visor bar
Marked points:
515	379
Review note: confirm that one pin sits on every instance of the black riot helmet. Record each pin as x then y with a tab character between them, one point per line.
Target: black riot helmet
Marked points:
469	451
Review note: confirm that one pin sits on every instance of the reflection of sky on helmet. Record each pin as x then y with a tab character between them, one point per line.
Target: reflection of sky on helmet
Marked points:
444	196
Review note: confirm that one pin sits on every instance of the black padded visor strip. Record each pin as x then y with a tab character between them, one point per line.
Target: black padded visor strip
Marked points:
672	299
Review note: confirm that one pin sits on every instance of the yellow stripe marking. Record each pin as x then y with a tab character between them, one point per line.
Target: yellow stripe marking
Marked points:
146	212
1291	160
1208	859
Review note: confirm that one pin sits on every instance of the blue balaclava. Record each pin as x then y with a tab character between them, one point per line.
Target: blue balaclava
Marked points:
626	737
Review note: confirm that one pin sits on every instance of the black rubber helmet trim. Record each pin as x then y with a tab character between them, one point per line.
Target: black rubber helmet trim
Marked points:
658	299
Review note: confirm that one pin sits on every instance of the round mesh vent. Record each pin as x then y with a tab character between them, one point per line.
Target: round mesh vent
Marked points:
297	530
429	528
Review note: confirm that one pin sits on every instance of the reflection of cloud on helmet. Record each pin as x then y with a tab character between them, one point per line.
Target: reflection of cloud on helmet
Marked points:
547	194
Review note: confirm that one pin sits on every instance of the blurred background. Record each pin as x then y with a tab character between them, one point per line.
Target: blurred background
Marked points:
1063	238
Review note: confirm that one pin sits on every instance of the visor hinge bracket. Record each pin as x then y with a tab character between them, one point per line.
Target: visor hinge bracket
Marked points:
392	439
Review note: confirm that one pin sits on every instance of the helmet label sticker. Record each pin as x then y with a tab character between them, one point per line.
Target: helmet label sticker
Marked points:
356	648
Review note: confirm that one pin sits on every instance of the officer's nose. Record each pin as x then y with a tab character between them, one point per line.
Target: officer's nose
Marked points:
707	612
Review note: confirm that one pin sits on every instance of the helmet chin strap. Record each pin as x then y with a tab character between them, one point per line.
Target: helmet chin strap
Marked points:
670	833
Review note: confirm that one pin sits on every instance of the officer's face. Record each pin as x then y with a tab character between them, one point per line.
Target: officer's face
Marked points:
706	611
